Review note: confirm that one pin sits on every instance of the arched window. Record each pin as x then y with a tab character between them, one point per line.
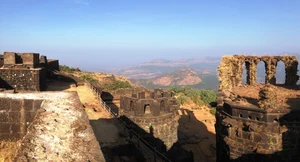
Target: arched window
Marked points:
246	73
131	106
280	73
261	73
147	109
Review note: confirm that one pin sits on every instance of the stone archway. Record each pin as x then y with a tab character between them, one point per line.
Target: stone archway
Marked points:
280	74
261	74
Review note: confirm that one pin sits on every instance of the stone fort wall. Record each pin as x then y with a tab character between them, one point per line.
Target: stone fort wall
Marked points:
15	116
25	71
48	126
24	79
155	115
262	132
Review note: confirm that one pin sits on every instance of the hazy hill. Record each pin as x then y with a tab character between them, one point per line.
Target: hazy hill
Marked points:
182	77
160	67
185	77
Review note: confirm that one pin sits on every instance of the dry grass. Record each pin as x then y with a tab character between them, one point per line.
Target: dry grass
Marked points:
8	150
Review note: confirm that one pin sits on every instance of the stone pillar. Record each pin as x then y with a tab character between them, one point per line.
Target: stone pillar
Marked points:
272	71
251	67
269	72
291	69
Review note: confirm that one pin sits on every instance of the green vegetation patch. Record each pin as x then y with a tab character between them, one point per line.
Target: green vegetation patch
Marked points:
88	78
199	97
68	69
116	84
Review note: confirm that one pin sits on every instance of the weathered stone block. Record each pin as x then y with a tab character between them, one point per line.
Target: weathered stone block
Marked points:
4	117
5	127
5	103
14	116
28	105
16	105
9	58
16	128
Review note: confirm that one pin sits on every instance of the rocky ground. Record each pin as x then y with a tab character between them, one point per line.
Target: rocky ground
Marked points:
287	97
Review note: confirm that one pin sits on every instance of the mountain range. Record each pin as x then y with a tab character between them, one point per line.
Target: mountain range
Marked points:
159	67
197	73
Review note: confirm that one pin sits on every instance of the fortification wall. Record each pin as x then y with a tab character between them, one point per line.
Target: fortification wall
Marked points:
53	65
24	79
265	128
154	114
164	127
47	126
15	116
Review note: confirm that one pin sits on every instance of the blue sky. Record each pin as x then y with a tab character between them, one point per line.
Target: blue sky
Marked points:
104	34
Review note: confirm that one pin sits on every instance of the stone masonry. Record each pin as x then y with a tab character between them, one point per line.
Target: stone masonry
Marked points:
231	69
155	114
48	126
25	71
263	132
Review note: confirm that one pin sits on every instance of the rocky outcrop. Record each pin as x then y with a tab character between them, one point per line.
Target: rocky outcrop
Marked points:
181	77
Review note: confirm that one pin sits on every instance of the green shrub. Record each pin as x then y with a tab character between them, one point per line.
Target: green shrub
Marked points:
208	96
116	84
182	99
199	97
88	78
213	110
68	69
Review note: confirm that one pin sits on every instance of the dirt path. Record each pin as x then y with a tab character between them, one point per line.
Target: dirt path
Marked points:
90	101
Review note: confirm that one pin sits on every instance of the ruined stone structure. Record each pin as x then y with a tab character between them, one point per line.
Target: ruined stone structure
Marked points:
25	71
266	128
231	69
155	114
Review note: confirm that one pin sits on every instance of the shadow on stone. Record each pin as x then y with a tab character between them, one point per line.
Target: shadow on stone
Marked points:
286	138
108	98
60	82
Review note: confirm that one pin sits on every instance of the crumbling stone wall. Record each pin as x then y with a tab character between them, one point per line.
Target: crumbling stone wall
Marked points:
231	69
161	121
263	132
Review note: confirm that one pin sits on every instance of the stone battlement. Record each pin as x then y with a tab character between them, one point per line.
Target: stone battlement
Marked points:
25	71
153	113
159	102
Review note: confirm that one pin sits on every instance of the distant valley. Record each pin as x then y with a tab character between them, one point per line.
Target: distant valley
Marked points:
161	73
196	73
